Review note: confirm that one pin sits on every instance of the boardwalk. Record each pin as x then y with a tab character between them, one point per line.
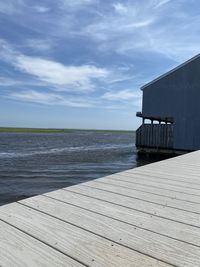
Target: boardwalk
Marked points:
148	216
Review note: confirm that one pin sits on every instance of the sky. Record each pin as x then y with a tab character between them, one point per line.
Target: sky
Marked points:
81	63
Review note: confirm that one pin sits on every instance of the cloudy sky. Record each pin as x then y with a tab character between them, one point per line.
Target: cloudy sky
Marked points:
81	63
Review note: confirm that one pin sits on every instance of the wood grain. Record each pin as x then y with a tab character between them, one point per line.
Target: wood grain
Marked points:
20	249
82	245
148	216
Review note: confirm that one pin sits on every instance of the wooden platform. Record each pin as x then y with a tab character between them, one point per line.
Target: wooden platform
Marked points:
148	216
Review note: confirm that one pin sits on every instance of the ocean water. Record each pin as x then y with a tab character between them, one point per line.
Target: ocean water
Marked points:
36	163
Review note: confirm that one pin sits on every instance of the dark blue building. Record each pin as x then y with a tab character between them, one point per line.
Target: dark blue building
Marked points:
172	104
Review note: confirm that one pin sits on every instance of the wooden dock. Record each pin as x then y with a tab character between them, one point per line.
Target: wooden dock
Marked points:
148	216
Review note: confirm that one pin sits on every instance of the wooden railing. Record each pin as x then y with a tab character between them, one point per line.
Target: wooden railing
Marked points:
155	135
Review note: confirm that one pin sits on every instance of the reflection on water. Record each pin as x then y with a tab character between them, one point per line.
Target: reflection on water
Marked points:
143	159
35	163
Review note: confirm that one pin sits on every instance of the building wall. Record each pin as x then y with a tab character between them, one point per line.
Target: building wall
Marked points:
177	95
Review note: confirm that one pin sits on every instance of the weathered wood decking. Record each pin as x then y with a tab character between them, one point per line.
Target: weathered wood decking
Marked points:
148	216
155	136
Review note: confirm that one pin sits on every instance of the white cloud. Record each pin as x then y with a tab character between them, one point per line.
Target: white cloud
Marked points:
122	95
115	28
6	8
4	81
19	6
57	75
10	7
7	53
76	4
135	26
19	83
42	9
160	3
138	103
123	99
120	8
55	99
39	44
67	80
115	107
147	27
47	99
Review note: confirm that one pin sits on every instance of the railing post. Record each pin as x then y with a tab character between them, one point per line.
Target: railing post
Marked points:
155	135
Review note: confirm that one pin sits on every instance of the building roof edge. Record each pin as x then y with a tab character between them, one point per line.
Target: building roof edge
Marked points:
170	71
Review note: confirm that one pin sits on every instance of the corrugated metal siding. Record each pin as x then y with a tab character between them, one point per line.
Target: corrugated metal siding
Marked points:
177	95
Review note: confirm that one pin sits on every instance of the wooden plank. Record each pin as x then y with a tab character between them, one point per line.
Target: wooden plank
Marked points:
154	189
85	246
161	247
139	205
185	163
163	180
183	160
176	165
162	184
18	249
139	219
170	179
143	217
163	175
122	188
181	166
173	171
137	184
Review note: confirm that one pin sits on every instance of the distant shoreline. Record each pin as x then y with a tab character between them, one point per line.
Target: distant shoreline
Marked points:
52	130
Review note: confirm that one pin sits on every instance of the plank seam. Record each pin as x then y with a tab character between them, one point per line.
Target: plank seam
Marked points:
115	219
139	190
144	200
152	214
91	232
156	177
150	179
43	242
194	202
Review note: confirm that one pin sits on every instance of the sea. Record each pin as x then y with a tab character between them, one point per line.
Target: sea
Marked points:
36	163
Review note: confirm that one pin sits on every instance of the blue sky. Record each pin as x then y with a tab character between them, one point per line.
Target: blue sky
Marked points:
81	63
